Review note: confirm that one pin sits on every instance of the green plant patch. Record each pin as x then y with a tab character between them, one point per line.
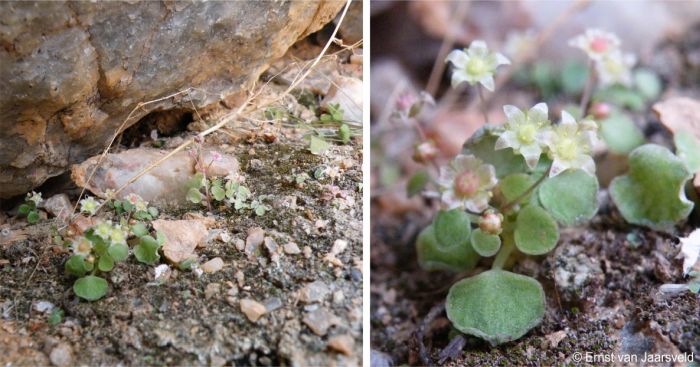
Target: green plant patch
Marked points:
536	232
433	255
485	244
515	185
90	287
570	197
482	145
688	149
147	250
497	306
620	133
652	193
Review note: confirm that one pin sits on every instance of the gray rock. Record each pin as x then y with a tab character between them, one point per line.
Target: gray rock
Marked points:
320	321
72	71
313	292
59	206
61	355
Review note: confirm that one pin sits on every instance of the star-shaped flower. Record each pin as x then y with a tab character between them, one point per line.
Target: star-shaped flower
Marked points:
616	68
35	197
81	246
103	230
476	64
525	131
596	43
571	144
466	182
89	205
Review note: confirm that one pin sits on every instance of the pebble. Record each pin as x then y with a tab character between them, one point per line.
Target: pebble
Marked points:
59	206
61	355
339	247
252	309
271	245
307	252
272	304
320	321
255	238
291	248
162	273
224	237
342	343
313	292
338	297
240	278
239	243
213	265
44	306
212	290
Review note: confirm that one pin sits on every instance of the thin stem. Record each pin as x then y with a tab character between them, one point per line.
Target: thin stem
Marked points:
528	191
506	250
482	102
588	89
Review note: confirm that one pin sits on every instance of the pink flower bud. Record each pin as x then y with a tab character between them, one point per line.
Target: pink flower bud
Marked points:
491	223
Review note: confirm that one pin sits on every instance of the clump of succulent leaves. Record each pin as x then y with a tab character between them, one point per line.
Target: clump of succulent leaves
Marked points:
30	207
505	196
102	246
229	191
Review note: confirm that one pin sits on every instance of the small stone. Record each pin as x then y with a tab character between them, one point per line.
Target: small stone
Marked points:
216	361
239	243
338	297
61	355
240	278
271	245
313	292
320	320
213	265
272	304
252	309
307	252
59	206
342	343
339	246
291	248
43	306
224	237
555	338
181	237
162	273
255	238
212	290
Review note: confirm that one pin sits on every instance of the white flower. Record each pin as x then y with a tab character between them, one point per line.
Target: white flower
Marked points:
35	197
525	131
477	64
596	43
616	67
110	194
466	183
570	145
117	235
137	202
103	230
89	205
81	246
520	43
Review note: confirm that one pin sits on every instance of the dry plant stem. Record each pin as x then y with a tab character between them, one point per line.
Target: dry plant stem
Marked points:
527	192
588	89
228	118
447	44
420	333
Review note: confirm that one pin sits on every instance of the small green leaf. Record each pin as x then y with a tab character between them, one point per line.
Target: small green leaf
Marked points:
105	263
194	195
571	197
514	185
573	77
318	145
197	181
452	228
652	193
620	133
485	244
433	255
344	133
153	211
139	229
417	182
33	217
24	209
147	250
118	251
127	206
648	83
688	149
497	306
218	193
623	97
142	215
482	145
76	265
186	264
90	287
536	233
56	316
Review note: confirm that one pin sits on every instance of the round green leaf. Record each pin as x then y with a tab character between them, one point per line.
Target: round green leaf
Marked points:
76	265
688	149
417	182
648	83
497	306
139	229
147	250
485	244
24	209
153	211
652	193
90	287
536	233
118	251
620	133
512	186
105	263
570	197
33	217
194	195
482	145
433	255
452	228
218	192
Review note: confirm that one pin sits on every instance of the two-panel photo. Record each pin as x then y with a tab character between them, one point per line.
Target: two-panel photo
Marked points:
350	183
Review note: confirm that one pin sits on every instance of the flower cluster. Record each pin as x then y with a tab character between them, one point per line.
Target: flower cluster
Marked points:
603	48
568	144
35	197
476	64
89	205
